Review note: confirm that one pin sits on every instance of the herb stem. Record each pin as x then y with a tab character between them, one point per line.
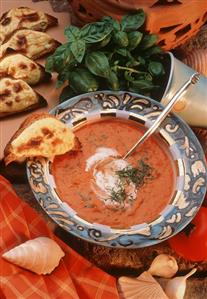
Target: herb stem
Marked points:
119	67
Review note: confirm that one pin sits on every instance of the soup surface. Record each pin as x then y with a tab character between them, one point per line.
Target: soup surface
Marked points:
105	189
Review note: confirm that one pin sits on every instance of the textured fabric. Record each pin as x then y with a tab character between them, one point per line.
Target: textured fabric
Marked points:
74	278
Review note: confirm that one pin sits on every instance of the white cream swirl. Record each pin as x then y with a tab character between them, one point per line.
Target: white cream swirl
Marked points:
105	181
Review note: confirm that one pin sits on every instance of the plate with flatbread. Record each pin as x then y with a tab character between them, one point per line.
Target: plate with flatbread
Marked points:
48	25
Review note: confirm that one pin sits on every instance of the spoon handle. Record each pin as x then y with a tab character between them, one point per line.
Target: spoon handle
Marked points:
192	80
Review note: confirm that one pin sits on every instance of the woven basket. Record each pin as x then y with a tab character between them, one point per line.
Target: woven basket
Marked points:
174	21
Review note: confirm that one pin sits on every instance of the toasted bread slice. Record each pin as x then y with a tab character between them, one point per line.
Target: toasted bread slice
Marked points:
17	96
24	17
21	67
39	135
33	44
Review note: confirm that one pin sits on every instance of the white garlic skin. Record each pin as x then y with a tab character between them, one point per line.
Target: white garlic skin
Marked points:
175	288
164	266
40	255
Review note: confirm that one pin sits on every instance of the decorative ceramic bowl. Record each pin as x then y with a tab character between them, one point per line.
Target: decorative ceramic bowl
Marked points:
183	146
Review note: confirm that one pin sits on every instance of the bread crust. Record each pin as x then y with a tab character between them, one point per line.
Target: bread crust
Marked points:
8	155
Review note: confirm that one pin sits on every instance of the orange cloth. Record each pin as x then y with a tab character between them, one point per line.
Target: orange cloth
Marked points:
74	278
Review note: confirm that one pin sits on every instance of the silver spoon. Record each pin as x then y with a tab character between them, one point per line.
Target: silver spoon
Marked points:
192	80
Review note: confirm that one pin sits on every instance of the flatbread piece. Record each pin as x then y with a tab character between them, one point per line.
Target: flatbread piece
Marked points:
17	96
18	66
24	17
33	44
39	135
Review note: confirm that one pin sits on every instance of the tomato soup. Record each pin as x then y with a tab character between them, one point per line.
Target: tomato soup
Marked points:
118	193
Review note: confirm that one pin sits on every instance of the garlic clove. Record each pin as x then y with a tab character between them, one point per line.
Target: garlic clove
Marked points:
175	288
40	255
164	266
142	287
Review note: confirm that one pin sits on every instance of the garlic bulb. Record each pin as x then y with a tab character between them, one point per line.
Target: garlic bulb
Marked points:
164	266
41	255
175	288
142	287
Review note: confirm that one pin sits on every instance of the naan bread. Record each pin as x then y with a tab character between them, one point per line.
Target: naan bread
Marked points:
40	135
17	96
33	44
18	66
24	17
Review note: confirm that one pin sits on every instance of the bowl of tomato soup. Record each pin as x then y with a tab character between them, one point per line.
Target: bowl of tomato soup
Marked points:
122	193
97	195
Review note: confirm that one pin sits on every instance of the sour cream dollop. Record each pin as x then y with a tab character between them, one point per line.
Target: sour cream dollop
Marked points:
105	182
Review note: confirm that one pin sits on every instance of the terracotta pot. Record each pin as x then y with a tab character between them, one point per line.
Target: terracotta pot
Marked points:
174	21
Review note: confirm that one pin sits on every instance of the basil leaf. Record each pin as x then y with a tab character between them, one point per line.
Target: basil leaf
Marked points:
103	42
148	41
113	81
152	51
109	20
122	51
141	60
120	38
134	38
49	65
81	80
55	62
62	77
98	64
155	68
133	21
78	49
132	63
61	62
140	85
95	32
72	33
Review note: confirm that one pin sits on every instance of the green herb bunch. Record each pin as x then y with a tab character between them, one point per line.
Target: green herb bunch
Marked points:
137	175
108	55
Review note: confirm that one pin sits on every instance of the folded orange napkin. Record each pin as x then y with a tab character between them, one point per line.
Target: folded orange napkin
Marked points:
74	278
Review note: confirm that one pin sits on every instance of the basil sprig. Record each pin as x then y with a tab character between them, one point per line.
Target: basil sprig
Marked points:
108	55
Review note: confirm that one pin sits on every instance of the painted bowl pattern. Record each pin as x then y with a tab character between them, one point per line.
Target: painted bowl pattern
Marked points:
184	147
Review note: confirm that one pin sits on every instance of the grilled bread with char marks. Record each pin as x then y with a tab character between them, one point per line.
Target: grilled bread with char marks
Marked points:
24	17
33	44
18	66
40	135
17	96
